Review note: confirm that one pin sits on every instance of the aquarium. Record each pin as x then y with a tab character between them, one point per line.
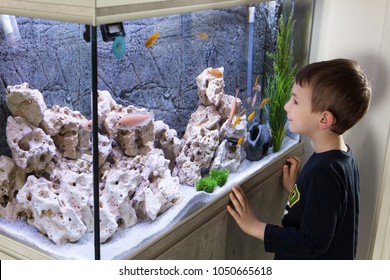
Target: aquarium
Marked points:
146	119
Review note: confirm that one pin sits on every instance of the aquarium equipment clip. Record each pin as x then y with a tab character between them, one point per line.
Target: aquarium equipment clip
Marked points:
112	30
109	31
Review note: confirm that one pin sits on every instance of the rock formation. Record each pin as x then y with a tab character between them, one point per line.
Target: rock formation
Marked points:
204	139
31	148
51	168
25	102
140	168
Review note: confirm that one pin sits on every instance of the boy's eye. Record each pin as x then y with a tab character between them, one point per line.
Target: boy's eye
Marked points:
295	101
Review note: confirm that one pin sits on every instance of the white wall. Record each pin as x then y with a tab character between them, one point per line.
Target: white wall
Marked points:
360	30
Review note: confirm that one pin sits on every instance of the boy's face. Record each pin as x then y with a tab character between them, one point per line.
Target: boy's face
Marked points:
300	117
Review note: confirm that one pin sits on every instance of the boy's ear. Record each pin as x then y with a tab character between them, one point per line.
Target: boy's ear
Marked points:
327	120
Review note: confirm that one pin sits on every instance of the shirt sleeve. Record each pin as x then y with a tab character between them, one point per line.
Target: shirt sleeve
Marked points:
318	222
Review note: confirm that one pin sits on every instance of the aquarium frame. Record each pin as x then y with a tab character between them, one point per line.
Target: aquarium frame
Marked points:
95	141
98	12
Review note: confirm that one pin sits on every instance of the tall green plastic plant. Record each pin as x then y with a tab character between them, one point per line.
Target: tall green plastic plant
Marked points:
280	81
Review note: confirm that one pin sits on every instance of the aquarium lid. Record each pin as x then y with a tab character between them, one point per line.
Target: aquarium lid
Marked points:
97	12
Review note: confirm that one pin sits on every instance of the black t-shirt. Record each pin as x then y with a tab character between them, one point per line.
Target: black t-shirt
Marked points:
321	216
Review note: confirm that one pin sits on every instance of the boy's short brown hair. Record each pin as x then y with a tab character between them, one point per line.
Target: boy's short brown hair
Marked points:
338	86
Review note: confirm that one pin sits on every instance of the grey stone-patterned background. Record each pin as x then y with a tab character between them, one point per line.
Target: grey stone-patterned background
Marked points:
55	59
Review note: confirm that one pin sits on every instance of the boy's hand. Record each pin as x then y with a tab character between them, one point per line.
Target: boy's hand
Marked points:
290	172
243	214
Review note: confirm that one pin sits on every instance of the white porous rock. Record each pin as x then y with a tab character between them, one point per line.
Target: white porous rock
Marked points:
112	119
65	127
12	178
77	193
11	211
48	210
108	224
154	165
169	188
166	139
25	102
105	104
211	92
136	141
229	156
116	154
200	141
115	201
197	152
31	148
105	148
210	88
152	202
203	133
59	164
226	104
159	190
206	117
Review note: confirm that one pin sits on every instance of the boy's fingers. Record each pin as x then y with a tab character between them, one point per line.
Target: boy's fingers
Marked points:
231	210
293	164
239	193
236	203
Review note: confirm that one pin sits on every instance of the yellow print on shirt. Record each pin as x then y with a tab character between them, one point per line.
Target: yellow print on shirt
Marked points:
295	196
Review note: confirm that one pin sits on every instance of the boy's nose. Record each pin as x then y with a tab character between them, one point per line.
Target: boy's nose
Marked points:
286	106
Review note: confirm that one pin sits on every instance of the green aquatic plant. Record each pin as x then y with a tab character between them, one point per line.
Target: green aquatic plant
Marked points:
219	175
206	184
216	177
281	80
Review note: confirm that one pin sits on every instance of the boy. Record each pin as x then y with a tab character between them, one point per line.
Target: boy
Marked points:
321	216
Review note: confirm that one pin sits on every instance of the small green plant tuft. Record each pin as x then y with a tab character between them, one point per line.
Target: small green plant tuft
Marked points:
206	184
217	177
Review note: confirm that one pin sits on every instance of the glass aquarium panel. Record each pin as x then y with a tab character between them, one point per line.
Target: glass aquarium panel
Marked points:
45	154
180	122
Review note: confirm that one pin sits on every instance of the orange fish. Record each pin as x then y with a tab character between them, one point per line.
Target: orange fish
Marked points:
256	88
250	117
151	40
238	119
202	35
256	84
234	107
240	140
262	104
216	73
132	120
